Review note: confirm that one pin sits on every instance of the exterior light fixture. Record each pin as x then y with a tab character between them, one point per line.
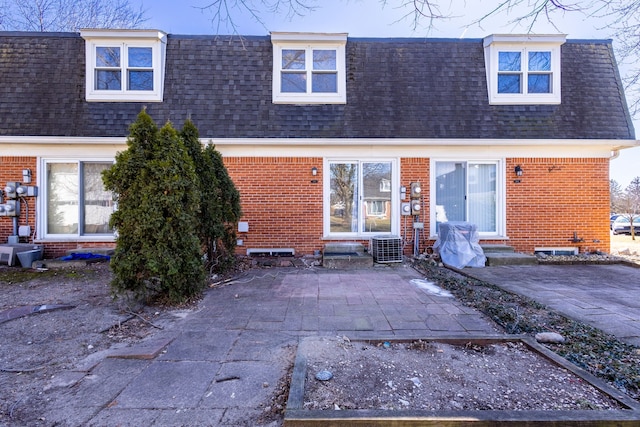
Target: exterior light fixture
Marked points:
518	170
314	171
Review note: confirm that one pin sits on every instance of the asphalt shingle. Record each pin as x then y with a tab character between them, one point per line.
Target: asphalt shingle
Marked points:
396	88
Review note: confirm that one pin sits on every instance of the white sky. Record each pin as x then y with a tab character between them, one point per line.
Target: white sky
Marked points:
370	18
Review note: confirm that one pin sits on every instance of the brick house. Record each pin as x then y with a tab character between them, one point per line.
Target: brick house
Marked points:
323	134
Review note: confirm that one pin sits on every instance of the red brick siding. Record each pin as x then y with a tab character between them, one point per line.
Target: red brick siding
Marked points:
415	170
11	171
556	198
279	201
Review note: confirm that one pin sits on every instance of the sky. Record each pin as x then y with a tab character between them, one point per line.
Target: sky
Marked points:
376	18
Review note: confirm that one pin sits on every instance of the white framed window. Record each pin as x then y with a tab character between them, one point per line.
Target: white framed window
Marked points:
124	65
74	201
309	68
471	191
523	69
359	198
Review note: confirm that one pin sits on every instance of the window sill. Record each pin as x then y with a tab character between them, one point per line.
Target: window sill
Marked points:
310	100
76	239
123	97
356	237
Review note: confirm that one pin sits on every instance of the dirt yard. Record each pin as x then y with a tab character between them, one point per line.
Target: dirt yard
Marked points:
35	348
436	376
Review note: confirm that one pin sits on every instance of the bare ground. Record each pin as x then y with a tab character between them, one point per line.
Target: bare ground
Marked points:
35	348
436	376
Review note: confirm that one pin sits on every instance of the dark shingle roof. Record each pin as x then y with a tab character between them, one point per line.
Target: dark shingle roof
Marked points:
396	88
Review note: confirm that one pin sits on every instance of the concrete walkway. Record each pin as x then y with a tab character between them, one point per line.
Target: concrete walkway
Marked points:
604	296
224	360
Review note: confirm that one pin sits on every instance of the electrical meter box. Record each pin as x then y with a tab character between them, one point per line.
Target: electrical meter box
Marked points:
416	190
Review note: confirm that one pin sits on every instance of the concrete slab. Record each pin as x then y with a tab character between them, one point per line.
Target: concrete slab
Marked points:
101	387
575	290
505	258
348	261
188	417
200	345
244	384
169	384
114	416
146	350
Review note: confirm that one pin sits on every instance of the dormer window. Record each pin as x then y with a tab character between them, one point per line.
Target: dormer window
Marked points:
124	65
309	68
523	69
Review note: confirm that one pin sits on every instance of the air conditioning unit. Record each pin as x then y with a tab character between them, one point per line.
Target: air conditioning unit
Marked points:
385	249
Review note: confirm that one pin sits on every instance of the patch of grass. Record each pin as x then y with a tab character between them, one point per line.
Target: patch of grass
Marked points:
597	352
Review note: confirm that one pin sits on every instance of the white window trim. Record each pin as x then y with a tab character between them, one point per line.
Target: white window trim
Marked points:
523	43
154	39
501	195
308	42
395	198
41	224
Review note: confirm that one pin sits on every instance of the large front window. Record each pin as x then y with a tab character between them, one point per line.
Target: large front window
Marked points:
467	191
76	201
359	198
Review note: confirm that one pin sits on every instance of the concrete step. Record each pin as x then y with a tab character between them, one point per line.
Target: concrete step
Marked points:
347	261
509	258
343	248
496	248
346	256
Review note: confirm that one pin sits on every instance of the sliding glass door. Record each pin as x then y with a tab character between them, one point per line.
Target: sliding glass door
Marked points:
467	191
359	197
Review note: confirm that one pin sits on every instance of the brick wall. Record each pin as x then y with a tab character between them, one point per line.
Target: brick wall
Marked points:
556	198
11	171
279	201
415	170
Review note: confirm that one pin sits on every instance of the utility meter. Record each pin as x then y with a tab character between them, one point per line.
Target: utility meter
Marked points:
405	208
12	208
415	207
416	190
10	190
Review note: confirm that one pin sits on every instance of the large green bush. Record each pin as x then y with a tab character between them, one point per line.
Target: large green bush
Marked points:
219	203
154	182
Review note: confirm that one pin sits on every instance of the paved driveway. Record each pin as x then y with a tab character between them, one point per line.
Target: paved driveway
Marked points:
604	296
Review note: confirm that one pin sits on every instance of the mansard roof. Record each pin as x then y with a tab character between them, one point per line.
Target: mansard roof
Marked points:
396	88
